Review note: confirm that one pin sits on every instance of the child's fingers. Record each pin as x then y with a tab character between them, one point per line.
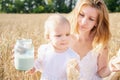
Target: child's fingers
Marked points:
77	67
31	71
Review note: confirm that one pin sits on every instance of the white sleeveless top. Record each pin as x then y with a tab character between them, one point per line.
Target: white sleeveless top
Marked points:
88	67
51	64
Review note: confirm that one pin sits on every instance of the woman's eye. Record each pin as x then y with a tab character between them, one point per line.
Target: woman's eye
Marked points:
81	14
92	19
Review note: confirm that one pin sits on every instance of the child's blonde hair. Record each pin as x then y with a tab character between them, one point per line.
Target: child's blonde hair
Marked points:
54	20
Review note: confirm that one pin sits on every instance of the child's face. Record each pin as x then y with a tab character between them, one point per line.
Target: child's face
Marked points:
60	36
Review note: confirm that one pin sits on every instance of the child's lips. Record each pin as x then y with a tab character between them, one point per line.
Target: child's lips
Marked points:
63	43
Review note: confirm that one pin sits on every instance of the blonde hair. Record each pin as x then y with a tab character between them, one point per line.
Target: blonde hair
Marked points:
101	31
52	21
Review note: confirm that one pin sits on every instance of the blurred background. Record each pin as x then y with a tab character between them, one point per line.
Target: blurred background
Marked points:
47	6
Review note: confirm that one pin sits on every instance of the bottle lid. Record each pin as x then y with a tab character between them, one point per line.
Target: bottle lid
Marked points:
22	45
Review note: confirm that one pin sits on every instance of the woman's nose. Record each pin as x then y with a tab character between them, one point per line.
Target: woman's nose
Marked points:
84	21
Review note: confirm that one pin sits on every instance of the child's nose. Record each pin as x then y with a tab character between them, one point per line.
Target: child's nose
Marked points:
64	37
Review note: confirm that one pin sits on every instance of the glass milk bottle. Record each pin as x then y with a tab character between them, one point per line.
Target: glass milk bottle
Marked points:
23	54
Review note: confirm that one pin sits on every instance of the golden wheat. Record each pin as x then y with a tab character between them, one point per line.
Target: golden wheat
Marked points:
17	26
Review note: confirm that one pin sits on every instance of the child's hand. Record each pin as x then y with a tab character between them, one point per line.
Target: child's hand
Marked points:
31	71
73	72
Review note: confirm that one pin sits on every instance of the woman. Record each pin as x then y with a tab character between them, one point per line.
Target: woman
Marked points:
91	34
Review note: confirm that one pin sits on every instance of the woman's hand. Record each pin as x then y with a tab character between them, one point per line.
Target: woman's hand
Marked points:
115	62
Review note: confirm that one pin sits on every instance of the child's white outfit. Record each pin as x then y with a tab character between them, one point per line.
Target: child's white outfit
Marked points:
52	64
88	67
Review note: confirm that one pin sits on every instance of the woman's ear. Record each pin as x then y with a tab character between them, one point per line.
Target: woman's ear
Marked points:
96	25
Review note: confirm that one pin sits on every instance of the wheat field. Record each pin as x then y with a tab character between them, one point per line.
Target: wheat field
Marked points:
30	26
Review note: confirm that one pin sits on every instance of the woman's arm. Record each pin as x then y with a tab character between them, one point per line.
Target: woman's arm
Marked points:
106	67
103	63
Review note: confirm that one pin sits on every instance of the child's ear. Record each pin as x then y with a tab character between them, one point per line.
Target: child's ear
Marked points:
47	36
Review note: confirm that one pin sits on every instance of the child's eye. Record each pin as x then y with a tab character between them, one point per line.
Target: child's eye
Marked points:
67	34
58	35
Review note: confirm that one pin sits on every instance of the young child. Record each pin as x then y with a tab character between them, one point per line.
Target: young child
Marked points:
54	56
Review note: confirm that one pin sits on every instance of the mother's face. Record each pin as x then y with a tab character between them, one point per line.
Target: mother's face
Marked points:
87	19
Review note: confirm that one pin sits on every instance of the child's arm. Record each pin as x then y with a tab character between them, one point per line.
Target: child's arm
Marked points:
36	67
38	64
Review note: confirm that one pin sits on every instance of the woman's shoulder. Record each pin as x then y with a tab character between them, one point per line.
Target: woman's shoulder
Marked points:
74	36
